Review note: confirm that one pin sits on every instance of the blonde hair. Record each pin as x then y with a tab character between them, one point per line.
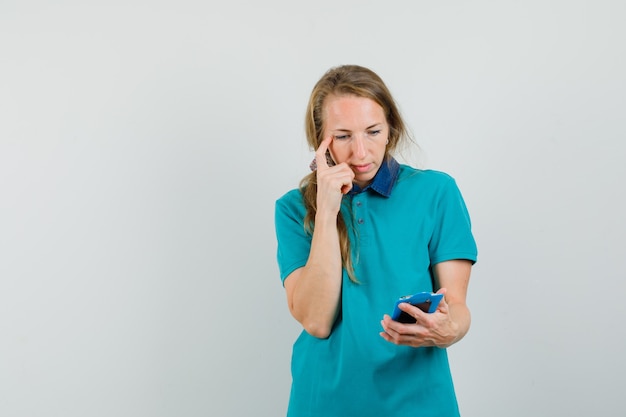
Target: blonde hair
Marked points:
339	81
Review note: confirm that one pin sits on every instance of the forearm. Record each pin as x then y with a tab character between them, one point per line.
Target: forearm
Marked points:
461	317
454	276
315	293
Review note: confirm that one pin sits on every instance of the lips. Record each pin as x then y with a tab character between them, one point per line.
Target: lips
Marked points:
361	168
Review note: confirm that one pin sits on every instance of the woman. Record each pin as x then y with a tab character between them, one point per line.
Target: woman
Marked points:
361	231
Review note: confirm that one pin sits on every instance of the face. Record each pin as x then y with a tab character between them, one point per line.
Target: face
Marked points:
360	132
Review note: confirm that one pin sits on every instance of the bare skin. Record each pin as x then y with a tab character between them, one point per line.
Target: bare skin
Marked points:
356	133
314	291
360	134
445	326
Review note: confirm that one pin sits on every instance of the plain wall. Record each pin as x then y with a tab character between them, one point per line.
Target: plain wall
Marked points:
143	144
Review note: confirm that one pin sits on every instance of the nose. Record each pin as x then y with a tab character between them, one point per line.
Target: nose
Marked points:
358	146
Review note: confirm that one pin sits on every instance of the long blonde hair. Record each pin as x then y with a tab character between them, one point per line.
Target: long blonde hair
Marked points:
345	80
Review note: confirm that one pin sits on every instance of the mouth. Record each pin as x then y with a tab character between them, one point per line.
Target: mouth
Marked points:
361	168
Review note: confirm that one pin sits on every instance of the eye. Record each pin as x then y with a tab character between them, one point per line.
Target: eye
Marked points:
342	137
374	132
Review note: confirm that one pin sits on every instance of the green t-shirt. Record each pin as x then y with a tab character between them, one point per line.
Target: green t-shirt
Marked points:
397	235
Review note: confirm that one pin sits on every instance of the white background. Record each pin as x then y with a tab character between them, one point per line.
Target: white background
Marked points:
143	144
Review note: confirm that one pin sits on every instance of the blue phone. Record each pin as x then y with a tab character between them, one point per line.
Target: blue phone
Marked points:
425	301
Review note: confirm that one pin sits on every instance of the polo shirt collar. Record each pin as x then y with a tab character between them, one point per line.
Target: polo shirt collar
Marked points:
384	179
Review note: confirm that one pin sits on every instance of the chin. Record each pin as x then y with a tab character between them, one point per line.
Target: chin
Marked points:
363	181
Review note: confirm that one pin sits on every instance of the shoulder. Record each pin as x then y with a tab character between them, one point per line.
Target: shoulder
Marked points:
291	201
425	185
290	197
424	177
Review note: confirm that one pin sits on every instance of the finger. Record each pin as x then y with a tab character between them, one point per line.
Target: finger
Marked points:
347	177
413	311
389	333
320	154
393	328
388	338
397	338
345	189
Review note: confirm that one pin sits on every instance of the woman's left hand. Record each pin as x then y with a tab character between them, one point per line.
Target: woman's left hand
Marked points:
431	329
449	323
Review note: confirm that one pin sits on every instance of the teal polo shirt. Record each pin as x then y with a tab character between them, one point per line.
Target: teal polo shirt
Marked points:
406	221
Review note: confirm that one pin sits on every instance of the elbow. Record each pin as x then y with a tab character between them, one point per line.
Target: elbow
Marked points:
313	324
317	329
318	332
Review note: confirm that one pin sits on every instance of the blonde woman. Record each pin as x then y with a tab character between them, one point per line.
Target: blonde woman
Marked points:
359	232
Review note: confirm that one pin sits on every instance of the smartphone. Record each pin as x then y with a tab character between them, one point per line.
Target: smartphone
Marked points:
425	301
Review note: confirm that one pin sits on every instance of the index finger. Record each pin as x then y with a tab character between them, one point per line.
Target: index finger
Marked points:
320	153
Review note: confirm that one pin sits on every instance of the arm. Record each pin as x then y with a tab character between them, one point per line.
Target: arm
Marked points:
314	291
449	323
454	277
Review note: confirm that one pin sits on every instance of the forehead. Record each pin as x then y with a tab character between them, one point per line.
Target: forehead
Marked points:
351	112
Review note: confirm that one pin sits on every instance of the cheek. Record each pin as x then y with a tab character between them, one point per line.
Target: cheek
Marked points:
383	149
336	153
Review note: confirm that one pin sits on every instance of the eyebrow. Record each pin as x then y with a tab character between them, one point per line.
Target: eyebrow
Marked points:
367	128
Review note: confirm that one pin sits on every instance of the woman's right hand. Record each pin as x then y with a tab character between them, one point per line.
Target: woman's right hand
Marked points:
332	181
314	291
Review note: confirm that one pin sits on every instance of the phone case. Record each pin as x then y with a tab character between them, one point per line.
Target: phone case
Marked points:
425	301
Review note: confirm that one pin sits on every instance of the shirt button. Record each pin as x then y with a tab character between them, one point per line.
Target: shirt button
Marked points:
361	221
358	203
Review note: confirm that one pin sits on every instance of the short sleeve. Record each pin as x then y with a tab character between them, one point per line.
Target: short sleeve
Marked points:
294	244
452	233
